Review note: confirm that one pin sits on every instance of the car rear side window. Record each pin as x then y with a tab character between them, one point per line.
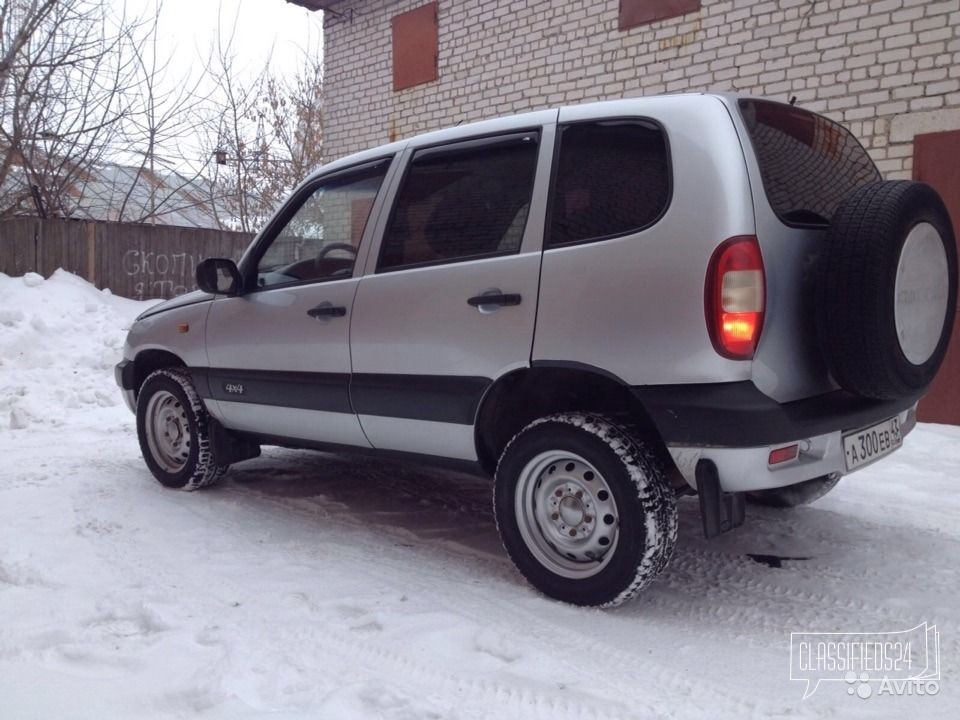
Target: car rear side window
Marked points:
808	163
612	178
462	201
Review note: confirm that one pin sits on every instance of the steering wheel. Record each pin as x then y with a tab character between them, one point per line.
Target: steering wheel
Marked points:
333	247
326	249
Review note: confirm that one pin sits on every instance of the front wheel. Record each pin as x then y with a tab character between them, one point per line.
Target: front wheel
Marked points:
174	431
585	510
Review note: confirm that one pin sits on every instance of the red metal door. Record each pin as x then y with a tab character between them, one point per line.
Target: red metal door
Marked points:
936	161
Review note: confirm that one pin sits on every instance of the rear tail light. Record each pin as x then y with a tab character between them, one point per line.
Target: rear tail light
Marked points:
735	297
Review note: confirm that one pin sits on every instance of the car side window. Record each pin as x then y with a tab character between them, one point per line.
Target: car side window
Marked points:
467	200
320	239
612	178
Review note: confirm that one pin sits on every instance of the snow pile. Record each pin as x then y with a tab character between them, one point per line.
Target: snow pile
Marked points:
59	341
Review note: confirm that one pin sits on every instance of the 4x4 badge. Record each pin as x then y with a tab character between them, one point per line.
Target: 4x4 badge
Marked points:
233	388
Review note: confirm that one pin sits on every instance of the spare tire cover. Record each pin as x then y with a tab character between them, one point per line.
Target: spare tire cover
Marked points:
886	289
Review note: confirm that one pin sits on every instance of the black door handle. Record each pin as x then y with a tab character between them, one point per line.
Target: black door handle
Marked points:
495	299
327	310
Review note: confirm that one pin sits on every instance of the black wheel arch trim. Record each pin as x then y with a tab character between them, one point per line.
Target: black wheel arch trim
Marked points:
482	420
583	367
124	374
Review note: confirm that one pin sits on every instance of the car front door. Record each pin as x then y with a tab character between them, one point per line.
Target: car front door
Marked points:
279	353
448	303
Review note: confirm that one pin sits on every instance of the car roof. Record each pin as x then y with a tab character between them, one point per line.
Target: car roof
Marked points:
507	123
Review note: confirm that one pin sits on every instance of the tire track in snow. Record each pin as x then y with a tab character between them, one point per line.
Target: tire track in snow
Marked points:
621	669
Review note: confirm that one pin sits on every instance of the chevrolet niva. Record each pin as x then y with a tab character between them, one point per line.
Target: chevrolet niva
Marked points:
603	306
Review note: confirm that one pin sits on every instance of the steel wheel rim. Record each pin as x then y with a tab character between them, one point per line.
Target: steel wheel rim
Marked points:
168	431
566	514
920	293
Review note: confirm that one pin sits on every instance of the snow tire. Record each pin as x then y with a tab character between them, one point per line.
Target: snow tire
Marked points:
636	474
199	468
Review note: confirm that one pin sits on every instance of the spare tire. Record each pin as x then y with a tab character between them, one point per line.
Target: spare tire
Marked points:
886	289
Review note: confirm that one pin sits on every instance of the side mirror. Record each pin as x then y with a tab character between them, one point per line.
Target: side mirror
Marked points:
218	276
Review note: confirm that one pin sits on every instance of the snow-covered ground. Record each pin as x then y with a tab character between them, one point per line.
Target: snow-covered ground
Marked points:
316	586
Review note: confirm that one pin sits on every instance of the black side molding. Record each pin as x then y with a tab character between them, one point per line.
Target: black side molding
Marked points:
436	398
737	414
306	391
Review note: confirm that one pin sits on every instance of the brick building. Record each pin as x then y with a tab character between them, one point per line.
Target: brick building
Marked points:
888	69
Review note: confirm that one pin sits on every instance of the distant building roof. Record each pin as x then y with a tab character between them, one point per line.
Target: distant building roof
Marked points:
112	192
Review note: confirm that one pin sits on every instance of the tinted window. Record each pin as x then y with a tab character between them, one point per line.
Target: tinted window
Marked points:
462	201
320	240
808	163
612	178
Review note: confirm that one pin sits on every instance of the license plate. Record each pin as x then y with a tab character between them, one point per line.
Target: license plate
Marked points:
862	447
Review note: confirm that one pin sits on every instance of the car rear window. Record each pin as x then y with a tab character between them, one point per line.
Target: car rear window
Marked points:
808	163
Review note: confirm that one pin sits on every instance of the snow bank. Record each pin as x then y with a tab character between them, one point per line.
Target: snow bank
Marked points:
59	341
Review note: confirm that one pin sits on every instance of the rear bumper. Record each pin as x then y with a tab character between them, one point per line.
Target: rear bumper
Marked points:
738	415
736	426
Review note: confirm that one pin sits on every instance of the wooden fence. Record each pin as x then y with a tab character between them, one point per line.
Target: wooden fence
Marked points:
134	261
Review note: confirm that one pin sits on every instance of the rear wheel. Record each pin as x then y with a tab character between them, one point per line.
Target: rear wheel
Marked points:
584	510
173	429
793	495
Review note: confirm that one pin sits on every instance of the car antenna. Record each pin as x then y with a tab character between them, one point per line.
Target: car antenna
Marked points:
793	100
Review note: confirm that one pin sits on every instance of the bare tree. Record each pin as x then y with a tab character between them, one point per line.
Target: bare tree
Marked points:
164	114
266	137
18	23
81	86
292	140
62	98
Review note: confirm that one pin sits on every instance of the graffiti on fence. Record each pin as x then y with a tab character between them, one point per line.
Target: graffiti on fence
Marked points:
160	274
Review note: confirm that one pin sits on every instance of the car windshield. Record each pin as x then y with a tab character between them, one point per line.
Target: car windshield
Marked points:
808	163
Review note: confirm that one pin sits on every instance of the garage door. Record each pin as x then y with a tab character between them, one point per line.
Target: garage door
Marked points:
936	161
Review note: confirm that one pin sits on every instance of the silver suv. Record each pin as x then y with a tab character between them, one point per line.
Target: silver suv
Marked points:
604	307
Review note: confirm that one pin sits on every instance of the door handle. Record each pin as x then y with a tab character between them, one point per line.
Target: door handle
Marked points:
327	310
502	299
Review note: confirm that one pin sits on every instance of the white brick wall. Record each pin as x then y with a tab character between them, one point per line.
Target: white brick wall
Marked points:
873	65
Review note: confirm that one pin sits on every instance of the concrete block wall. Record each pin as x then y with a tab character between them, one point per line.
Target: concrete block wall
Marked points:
888	69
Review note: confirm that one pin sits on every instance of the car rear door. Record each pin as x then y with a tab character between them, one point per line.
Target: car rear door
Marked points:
279	353
449	300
